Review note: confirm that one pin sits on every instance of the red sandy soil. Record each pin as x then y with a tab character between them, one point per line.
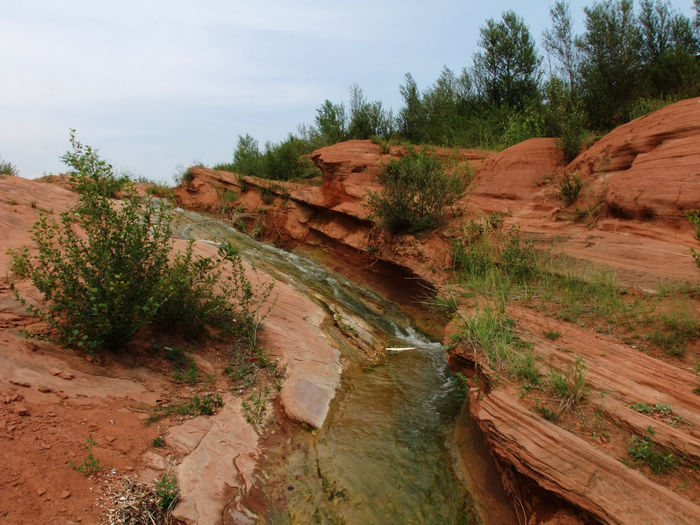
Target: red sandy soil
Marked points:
638	182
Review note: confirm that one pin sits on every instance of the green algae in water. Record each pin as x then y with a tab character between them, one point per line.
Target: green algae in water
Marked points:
383	458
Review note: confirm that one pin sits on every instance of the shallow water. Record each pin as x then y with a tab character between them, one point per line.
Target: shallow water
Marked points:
382	457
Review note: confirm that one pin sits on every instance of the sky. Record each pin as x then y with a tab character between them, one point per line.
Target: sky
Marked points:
156	85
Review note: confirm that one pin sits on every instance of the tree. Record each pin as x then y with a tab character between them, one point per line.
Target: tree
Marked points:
610	62
506	70
330	122
560	44
668	49
441	103
411	119
247	158
367	119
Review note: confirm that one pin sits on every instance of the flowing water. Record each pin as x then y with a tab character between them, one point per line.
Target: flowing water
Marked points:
383	457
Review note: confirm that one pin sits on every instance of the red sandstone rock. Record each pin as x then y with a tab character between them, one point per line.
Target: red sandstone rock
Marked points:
650	167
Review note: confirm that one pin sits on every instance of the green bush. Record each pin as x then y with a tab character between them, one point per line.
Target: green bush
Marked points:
7	168
286	160
569	386
416	189
192	297
569	189
694	218
104	270
90	174
101	268
212	291
644	106
523	125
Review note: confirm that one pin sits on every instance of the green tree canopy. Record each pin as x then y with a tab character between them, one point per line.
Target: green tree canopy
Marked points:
506	69
560	43
611	61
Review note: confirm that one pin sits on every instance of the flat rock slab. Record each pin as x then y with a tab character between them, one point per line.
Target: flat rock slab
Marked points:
293	333
222	451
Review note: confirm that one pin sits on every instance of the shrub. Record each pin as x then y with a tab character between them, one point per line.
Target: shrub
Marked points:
229	196
694	218
104	270
523	125
184	176
507	256
90	174
160	190
495	335
200	294
286	160
7	168
644	106
101	268
416	189
167	491
573	135
569	189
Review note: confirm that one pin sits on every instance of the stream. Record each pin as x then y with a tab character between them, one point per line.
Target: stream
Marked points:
386	453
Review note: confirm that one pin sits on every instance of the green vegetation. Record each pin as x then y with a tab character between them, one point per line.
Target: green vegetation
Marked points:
460	385
569	188
229	196
657	408
569	386
158	442
255	406
160	190
502	266
90	465
675	328
167	491
645	451
205	405
189	375
211	291
416	189
105	270
545	412
247	367
287	160
7	168
100	289
694	218
134	502
491	334
552	335
627	62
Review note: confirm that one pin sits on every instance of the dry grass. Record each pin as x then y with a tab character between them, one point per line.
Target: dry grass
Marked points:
133	502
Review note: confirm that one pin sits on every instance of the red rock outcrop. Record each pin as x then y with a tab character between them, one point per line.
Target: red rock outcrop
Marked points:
649	168
638	182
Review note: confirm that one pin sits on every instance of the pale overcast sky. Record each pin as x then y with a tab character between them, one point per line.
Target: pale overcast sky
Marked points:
153	84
